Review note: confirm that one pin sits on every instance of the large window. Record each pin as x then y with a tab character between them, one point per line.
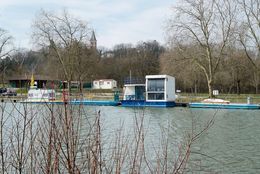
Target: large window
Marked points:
155	96
155	85
155	89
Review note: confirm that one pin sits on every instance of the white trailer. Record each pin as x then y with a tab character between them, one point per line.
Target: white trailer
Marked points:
104	84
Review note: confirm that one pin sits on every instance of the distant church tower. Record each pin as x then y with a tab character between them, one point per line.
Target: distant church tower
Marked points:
93	41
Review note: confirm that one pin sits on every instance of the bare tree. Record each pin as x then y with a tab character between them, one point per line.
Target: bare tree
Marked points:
64	35
5	42
3	142
66	139
188	76
249	35
5	50
202	31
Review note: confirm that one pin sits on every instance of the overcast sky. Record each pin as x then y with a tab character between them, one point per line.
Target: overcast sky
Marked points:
114	21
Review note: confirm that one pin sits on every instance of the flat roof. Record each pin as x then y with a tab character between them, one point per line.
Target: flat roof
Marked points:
104	80
130	85
28	77
157	76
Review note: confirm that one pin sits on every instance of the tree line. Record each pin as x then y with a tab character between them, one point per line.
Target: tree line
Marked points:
215	43
65	53
210	45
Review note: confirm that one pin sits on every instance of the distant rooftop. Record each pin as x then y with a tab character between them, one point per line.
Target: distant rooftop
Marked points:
103	79
28	77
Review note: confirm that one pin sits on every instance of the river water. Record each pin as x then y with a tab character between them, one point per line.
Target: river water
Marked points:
230	145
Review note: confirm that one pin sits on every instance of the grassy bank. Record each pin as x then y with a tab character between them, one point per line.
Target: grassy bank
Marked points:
242	98
105	94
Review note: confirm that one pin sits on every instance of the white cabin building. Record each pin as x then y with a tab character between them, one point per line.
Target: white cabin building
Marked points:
160	88
104	84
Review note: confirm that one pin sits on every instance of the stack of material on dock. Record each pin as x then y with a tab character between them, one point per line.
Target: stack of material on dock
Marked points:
222	104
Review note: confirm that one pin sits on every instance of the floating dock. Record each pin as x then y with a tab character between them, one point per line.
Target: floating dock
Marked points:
142	103
77	102
224	105
95	102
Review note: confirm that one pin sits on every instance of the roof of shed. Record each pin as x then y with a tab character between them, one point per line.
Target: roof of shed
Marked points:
28	77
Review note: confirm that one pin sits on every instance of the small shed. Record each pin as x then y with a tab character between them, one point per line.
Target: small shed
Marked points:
23	81
104	84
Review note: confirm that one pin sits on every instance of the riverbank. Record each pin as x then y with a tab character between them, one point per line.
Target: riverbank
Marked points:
182	98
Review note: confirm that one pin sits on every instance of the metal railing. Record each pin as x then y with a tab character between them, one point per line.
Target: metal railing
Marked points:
134	80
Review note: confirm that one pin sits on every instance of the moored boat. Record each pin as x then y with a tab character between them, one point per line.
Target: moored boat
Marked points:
40	95
158	91
36	95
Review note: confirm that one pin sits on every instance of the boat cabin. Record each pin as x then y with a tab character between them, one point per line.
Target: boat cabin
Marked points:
41	95
160	88
134	92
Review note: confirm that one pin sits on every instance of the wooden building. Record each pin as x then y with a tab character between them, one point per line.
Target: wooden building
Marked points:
23	81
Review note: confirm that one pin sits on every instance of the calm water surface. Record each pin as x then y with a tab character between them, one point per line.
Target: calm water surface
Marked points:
231	145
